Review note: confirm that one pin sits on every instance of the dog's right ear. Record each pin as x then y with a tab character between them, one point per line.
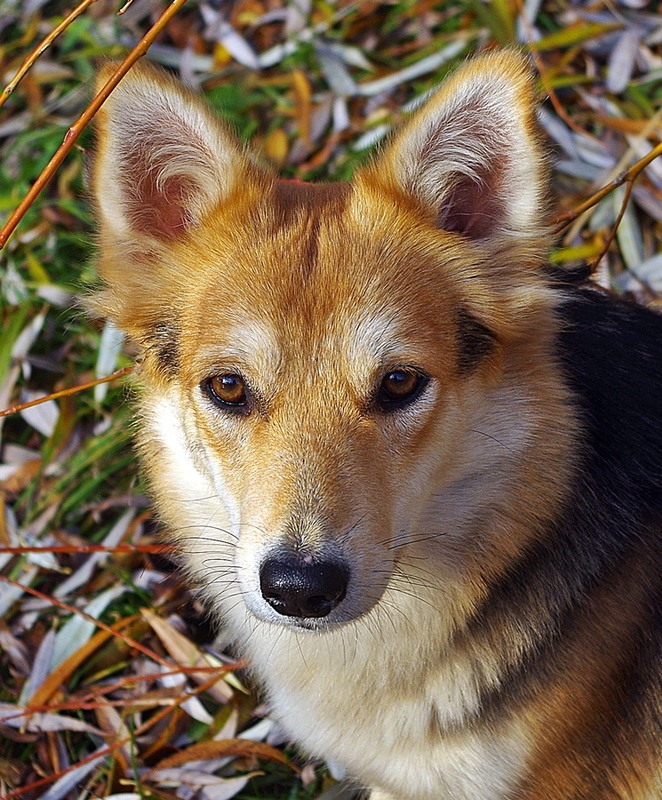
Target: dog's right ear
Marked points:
163	162
163	159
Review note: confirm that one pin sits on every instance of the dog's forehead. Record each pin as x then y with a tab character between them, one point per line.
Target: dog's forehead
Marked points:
307	249
306	276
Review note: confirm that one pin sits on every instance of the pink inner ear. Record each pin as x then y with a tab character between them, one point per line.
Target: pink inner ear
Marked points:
473	208
159	210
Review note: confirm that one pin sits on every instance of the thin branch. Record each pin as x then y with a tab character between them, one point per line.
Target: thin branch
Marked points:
41	48
629	176
159	549
88	618
5	412
614	228
77	128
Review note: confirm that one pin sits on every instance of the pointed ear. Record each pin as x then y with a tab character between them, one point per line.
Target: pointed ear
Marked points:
469	157
163	163
163	160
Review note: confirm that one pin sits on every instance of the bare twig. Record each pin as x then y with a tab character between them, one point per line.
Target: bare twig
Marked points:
614	228
629	176
88	618
6	412
92	548
40	48
79	125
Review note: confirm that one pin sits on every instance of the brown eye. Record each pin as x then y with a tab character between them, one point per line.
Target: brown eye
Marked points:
228	391
399	388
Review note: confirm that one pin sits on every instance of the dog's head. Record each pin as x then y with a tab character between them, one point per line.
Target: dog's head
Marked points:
325	366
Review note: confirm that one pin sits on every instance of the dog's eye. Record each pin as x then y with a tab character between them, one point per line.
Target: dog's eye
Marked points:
228	391
399	388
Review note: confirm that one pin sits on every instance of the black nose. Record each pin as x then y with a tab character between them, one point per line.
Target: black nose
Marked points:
298	588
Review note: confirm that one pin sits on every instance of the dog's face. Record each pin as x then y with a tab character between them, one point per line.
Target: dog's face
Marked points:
323	365
323	397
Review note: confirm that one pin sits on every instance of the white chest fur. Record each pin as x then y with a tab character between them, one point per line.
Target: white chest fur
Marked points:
398	727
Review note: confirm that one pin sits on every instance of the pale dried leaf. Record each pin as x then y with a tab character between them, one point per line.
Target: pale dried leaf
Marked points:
641	147
651	203
83	574
603	215
526	30
170	56
11	594
220	30
558	132
184	652
650	272
111	722
41	721
335	72
353	56
422	67
225	788
371	137
621	60
191	705
13	286
18	654
258	732
594	153
276	54
214	787
125	796
43	417
28	336
55	295
72	780
41	667
77	630
20	349
319	119
16	454
340	115
296	16
110	347
229	729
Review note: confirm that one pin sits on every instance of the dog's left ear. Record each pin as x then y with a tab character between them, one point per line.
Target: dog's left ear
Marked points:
469	156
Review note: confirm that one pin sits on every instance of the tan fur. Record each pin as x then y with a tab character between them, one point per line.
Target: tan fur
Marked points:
313	294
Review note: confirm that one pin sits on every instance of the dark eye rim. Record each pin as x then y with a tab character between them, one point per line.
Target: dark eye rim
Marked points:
387	403
242	407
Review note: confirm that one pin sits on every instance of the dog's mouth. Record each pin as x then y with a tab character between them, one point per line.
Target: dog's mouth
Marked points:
311	626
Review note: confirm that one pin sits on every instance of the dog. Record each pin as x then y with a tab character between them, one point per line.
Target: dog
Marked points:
417	473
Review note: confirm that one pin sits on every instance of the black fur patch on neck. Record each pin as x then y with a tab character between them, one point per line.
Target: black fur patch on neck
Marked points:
163	341
474	342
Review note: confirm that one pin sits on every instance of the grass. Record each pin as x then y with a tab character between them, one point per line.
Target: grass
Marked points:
78	541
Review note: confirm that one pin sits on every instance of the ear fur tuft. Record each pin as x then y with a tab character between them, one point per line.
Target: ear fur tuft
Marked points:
469	156
163	159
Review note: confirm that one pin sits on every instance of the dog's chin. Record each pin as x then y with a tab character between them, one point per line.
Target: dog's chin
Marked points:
315	627
338	618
